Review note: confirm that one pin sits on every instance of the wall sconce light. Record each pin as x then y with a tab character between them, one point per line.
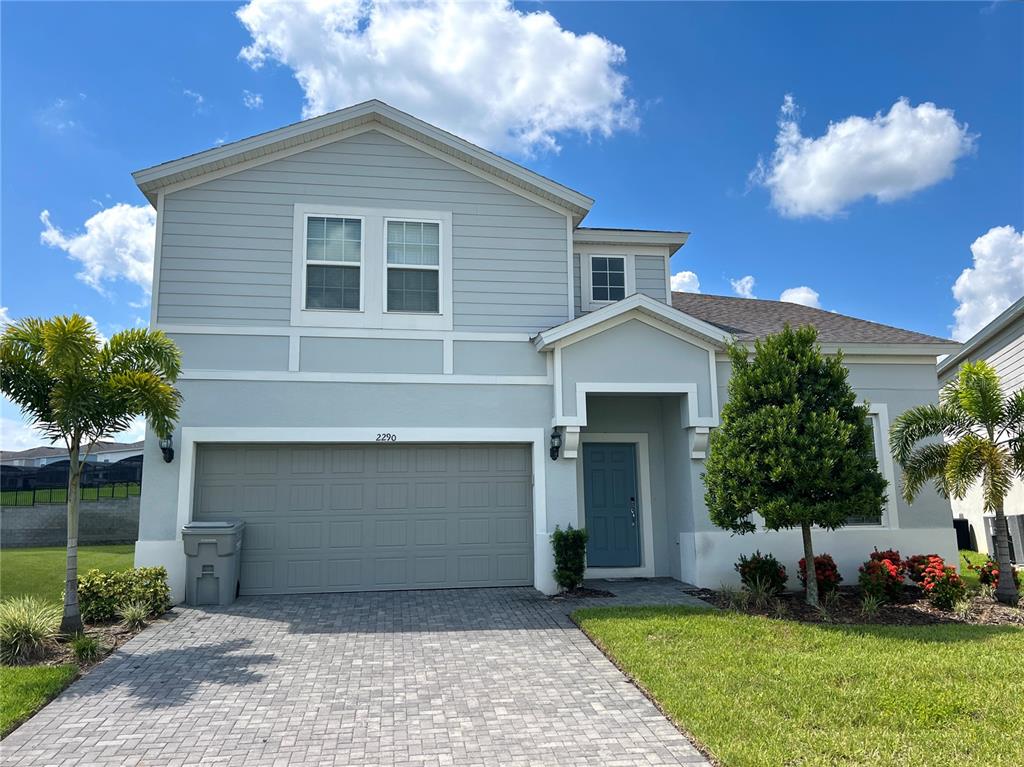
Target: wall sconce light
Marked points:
167	448
556	443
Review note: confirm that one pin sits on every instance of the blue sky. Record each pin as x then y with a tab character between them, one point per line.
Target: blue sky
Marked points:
663	119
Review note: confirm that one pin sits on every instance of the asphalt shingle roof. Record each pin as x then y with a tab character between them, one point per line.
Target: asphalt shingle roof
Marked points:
751	318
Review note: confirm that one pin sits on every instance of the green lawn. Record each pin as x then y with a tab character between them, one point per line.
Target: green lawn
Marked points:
756	691
973	558
26	689
40	572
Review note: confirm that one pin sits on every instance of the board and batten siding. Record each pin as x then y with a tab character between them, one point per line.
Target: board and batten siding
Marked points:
226	253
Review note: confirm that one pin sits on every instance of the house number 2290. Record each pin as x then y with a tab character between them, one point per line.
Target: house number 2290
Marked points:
385	437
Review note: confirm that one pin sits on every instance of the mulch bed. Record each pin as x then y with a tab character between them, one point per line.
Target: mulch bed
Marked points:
912	610
581	593
111	636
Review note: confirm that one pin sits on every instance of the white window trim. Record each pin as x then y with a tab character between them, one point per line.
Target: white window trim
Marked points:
373	287
587	303
439	268
361	265
879	416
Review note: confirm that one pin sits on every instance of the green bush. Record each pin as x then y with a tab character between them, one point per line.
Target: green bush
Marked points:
570	557
763	569
28	625
100	594
87	649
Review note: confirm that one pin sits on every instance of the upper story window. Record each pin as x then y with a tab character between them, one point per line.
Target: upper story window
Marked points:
607	278
413	266
362	267
334	250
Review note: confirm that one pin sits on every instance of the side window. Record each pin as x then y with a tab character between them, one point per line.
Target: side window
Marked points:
607	278
413	266
334	254
876	444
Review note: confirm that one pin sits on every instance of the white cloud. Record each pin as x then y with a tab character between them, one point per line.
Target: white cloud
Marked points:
500	77
5	317
117	244
686	282
801	295
887	157
252	100
198	102
995	280
60	115
16	434
744	286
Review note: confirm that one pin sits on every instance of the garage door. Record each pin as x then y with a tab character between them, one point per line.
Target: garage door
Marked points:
372	517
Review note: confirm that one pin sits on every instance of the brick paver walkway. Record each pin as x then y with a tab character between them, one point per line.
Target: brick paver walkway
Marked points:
462	677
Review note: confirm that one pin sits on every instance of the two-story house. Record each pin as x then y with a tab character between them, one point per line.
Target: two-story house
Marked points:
406	362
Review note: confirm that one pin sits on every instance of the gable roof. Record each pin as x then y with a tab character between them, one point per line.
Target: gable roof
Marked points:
996	326
748	319
46	451
637	303
366	115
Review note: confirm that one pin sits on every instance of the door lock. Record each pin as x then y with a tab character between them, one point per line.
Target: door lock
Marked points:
632	509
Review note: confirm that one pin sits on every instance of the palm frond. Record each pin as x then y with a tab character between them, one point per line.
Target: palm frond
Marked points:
923	464
1013	416
71	343
918	423
142	350
977	390
965	464
997	477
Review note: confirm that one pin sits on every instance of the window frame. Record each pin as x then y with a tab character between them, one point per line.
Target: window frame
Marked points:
439	268
878	416
372	272
587	301
306	216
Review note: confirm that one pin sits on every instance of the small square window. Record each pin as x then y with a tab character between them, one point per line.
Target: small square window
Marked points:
332	287
412	290
607	278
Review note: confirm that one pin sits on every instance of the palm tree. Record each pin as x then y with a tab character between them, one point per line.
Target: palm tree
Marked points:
983	439
73	386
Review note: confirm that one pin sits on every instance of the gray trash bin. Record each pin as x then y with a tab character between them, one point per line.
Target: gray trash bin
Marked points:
213	561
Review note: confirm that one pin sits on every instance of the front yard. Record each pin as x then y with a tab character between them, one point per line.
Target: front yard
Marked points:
757	691
39	572
26	689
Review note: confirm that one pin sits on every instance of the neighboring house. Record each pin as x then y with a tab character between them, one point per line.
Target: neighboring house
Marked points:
102	452
386	332
1001	344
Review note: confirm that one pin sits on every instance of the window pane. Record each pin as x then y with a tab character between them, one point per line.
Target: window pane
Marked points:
315	228
618	279
333	239
431	233
412	290
599	264
315	250
600	278
616	265
616	294
332	287
413	243
600	294
431	257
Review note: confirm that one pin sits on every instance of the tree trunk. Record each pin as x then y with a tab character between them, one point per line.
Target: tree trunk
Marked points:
71	623
812	574
1006	590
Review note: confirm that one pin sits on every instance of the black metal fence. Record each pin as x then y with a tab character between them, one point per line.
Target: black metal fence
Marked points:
31	485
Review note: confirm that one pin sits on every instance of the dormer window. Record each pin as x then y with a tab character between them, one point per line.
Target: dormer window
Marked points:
607	278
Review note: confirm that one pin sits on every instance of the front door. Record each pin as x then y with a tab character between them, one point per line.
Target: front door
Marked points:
610	504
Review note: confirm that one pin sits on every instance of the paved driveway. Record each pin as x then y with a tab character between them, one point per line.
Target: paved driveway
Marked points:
467	677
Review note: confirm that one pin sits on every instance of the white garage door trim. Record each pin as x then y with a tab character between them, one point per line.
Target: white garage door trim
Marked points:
536	438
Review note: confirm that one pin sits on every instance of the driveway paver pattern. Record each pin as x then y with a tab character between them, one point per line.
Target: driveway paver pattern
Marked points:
459	677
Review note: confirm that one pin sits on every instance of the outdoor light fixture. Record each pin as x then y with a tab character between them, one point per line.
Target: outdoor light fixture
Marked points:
556	443
167	448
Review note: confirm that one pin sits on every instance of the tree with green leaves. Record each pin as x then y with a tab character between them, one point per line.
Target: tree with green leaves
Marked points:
75	387
794	447
974	434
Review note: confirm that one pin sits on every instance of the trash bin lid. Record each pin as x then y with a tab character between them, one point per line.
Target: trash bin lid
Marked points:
220	526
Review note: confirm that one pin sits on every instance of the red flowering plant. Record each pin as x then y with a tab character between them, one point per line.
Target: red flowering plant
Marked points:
889	555
881	579
763	569
915	566
988	573
825	571
942	585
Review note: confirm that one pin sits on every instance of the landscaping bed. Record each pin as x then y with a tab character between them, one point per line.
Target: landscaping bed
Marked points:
913	609
752	690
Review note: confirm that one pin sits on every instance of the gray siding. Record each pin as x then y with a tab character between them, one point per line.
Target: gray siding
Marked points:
650	276
369	355
234	352
491	358
227	243
577	286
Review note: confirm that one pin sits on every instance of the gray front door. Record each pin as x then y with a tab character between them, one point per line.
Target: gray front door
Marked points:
336	517
610	505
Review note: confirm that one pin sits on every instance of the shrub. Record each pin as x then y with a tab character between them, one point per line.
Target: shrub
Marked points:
87	649
988	573
826	572
133	614
942	585
570	557
916	565
28	625
881	579
100	594
763	568
892	556
735	599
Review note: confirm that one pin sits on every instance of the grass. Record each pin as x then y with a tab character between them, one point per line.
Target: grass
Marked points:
971	558
26	689
40	572
756	691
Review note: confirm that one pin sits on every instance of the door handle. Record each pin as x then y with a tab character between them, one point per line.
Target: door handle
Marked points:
632	509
